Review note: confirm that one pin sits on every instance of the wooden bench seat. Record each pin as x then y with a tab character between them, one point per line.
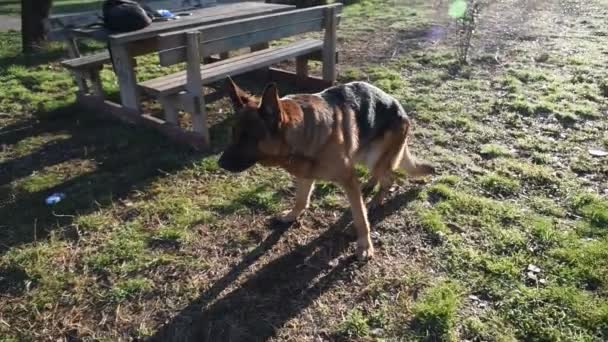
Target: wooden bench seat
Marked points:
88	61
88	68
174	83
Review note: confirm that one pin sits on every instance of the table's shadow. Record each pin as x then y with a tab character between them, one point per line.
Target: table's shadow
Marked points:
120	159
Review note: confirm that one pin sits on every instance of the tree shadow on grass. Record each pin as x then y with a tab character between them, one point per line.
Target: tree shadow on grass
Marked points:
276	293
97	163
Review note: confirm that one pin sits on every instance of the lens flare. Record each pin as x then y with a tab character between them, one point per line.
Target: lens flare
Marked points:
457	9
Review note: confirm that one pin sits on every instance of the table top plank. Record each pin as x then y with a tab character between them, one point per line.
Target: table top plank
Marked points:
202	16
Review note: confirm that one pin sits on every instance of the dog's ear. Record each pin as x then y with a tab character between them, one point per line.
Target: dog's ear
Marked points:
270	107
238	97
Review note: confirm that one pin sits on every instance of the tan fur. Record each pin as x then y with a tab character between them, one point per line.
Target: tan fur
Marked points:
317	141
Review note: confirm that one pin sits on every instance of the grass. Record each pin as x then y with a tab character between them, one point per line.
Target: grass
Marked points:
129	289
435	312
592	208
508	242
12	7
354	325
494	151
500	185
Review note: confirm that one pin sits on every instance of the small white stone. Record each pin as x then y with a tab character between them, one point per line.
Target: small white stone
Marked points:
597	152
377	332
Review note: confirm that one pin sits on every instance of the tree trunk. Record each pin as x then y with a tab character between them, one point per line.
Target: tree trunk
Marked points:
33	14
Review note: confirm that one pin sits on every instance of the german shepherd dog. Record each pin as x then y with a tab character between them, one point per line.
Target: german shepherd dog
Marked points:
323	136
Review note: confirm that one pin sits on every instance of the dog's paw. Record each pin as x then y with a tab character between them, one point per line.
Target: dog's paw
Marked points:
287	216
365	251
377	201
368	188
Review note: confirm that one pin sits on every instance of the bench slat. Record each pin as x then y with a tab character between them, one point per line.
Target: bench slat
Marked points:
87	61
244	32
210	73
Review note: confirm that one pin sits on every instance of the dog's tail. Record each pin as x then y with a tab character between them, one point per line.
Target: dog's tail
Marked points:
409	163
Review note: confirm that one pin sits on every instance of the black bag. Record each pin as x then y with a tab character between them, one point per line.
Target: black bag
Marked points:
125	16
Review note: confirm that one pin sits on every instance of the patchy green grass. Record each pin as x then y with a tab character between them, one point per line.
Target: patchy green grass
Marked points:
14	7
499	185
494	151
435	312
354	325
593	208
11	7
487	328
129	289
508	242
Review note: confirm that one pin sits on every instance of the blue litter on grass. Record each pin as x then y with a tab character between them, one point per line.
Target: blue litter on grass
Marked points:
55	198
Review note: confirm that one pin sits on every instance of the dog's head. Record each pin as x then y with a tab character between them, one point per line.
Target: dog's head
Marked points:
256	123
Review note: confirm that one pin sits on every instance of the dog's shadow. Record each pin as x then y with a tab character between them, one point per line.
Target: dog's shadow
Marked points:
279	291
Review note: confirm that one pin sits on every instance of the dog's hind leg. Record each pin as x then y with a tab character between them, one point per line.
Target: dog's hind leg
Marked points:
304	189
365	249
390	150
385	185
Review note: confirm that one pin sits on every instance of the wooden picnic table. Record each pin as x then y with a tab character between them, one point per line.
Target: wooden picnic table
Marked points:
196	39
125	46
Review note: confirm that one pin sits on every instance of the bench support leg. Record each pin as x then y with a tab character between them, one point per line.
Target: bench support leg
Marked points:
329	45
194	87
199	116
97	88
125	72
263	72
301	68
71	47
170	108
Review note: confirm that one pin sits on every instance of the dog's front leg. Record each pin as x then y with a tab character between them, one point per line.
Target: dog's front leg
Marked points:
303	191
365	249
